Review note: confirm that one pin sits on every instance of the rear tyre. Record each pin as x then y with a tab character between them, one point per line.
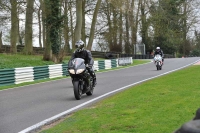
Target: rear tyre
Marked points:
77	90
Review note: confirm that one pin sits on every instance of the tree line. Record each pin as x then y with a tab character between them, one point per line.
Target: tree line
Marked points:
104	25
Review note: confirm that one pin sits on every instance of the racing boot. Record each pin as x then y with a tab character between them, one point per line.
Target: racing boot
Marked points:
93	77
94	81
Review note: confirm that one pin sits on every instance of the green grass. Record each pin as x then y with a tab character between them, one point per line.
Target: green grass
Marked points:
18	60
160	105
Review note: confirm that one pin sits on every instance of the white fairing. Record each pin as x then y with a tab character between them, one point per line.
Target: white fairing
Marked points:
158	58
158	61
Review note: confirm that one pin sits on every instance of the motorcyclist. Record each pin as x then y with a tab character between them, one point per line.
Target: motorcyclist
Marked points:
160	52
80	52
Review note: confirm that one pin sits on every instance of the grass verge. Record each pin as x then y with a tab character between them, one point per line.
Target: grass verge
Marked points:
20	60
160	105
14	61
136	62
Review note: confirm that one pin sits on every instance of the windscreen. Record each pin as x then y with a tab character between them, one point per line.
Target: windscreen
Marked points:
77	63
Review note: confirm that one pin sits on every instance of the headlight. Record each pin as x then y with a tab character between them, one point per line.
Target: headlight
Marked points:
79	71
71	71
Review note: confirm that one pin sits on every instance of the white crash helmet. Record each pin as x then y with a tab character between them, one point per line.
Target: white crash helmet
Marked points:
79	45
157	48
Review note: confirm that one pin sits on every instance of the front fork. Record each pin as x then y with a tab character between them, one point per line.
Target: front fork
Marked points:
158	63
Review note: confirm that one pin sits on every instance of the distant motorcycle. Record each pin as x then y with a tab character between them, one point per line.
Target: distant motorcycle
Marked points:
81	79
158	61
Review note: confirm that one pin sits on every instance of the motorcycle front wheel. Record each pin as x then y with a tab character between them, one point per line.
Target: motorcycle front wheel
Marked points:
77	90
158	67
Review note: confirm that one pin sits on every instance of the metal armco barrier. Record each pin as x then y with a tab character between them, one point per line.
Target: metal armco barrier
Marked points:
7	77
30	74
41	72
25	74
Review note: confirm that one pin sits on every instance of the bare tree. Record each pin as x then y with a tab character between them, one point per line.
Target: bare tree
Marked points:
28	49
14	26
121	30
127	41
79	16
40	26
189	19
1	43
108	34
83	35
66	27
92	29
43	16
71	24
47	12
134	22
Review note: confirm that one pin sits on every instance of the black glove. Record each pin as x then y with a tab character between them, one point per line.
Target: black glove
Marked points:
90	66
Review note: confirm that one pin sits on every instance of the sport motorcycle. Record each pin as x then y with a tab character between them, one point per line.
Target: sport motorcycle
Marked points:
158	62
81	79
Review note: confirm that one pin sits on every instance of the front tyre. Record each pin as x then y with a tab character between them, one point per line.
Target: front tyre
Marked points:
77	90
158	67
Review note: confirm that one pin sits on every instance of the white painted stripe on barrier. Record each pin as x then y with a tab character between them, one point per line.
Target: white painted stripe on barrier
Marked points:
24	74
19	81
55	71
56	65
96	66
23	69
117	62
56	75
108	64
47	121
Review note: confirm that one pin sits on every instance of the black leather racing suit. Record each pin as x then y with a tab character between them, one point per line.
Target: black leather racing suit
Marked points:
87	56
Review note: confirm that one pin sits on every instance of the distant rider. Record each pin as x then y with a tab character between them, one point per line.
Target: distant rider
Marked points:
80	52
160	52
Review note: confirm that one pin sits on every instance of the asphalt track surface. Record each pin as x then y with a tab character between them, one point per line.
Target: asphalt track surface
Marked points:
23	107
